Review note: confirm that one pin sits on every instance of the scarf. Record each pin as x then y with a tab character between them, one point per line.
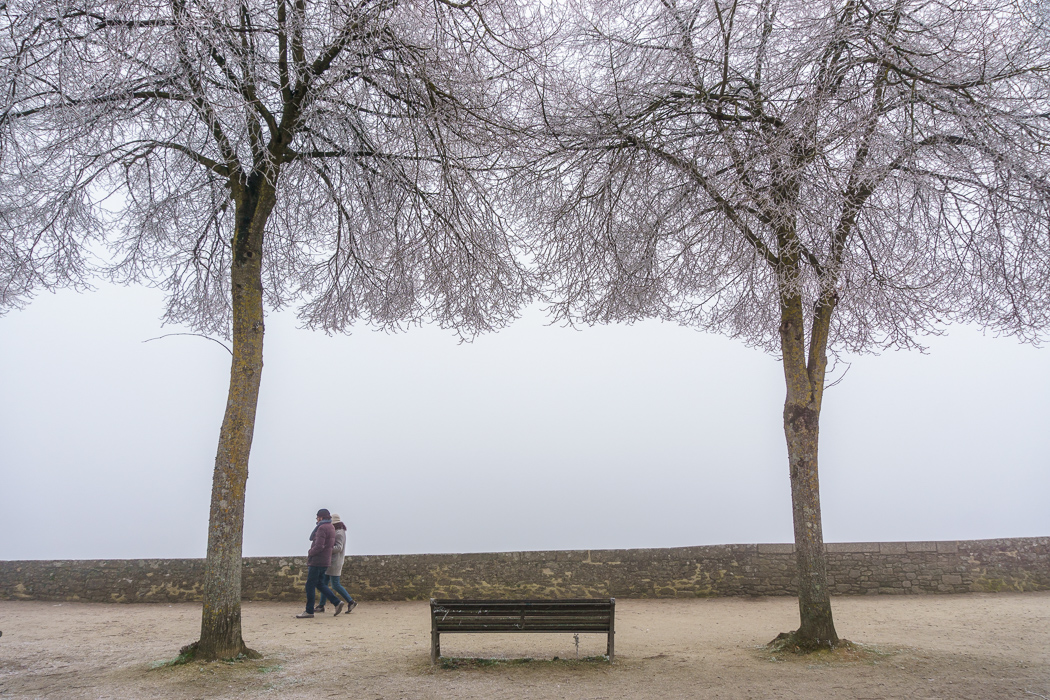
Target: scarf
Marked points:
317	526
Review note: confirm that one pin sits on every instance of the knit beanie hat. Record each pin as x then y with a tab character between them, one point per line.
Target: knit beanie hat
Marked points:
323	513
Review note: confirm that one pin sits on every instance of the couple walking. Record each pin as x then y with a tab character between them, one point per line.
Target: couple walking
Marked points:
324	564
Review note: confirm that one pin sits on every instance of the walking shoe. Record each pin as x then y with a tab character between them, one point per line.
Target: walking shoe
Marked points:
304	615
353	604
339	608
319	609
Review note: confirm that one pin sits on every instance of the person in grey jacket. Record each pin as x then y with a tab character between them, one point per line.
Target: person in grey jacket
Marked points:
318	560
335	569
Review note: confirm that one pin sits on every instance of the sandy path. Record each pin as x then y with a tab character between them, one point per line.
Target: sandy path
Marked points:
974	646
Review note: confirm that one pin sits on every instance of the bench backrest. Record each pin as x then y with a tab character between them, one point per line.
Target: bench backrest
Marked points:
566	615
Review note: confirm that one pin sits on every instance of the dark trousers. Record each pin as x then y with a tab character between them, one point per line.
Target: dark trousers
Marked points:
314	580
337	587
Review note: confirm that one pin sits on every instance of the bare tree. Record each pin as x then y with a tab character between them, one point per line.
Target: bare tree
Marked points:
245	154
44	230
811	178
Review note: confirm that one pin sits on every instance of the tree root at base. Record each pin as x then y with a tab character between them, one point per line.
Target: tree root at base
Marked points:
188	653
792	642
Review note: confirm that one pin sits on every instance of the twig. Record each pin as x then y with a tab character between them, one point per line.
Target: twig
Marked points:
199	335
849	365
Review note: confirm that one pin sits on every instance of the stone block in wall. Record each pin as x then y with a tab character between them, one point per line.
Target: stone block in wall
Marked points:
922	546
608	556
852	547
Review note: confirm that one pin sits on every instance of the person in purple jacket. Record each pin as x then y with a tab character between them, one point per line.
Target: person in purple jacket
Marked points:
317	560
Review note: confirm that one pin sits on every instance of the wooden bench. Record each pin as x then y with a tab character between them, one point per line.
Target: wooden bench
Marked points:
568	615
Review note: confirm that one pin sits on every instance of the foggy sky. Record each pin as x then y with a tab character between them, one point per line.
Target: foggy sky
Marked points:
536	437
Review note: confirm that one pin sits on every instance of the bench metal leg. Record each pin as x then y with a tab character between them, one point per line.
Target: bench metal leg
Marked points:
435	636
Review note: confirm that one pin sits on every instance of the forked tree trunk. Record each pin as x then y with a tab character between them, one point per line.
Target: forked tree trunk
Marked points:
221	618
805	388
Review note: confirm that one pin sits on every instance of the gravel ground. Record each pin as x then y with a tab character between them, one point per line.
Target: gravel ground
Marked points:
986	646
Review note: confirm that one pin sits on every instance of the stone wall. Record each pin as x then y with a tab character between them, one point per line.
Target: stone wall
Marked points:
1021	564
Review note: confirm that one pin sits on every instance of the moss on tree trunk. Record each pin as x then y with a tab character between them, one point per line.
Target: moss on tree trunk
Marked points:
804	377
221	636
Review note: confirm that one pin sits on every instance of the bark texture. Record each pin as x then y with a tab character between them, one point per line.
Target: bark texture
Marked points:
805	387
221	618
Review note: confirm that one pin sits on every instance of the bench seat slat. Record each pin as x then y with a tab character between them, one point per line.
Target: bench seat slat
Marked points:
530	616
452	614
522	601
525	631
480	606
496	619
527	622
482	630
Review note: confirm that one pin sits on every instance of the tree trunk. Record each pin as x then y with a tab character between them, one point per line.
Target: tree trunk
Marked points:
221	617
805	387
814	600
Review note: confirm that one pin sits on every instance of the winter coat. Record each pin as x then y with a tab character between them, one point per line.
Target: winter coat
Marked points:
320	553
336	567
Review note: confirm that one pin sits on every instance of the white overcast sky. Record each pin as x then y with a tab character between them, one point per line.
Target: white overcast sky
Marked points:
536	437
